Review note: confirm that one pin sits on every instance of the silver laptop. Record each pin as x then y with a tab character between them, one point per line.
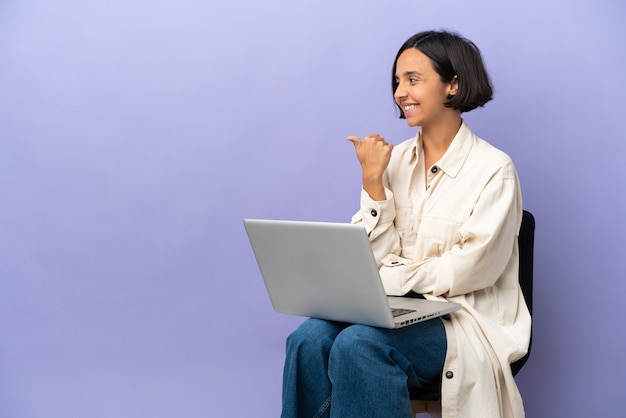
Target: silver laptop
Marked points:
327	270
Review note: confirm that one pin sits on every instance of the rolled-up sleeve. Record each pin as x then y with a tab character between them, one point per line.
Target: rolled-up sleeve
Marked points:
378	218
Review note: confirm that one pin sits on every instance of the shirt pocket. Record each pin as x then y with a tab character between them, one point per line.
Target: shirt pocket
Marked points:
436	236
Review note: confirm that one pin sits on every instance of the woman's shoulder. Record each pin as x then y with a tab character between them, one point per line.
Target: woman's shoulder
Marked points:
407	144
483	149
490	158
406	149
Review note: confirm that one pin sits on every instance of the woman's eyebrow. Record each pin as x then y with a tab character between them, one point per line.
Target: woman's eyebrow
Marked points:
410	73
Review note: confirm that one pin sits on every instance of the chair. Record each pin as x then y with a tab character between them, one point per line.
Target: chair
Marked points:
428	399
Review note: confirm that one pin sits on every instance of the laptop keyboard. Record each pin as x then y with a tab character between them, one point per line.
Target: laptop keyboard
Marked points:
400	311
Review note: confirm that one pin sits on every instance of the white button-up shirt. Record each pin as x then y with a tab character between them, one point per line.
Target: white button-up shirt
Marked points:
450	232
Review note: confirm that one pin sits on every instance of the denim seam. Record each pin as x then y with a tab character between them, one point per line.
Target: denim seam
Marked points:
323	408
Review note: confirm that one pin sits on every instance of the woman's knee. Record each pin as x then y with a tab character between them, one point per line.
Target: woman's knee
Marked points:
355	341
359	333
358	352
313	333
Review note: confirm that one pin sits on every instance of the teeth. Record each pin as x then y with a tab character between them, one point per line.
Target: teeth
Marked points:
407	108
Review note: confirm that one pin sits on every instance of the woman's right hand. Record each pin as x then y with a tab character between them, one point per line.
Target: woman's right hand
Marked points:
374	154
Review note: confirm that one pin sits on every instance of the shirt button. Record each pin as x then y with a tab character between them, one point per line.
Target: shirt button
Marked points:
449	375
433	170
374	213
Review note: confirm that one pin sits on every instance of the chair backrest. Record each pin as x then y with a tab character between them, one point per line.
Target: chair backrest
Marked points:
526	242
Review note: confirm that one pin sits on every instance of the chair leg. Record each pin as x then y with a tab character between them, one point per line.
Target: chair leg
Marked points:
432	408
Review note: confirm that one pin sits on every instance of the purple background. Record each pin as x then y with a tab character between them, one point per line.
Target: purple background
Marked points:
136	135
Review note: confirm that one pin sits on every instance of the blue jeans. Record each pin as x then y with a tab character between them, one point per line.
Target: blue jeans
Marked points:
340	370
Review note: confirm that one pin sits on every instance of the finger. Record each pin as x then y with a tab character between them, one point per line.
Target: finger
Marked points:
356	141
375	138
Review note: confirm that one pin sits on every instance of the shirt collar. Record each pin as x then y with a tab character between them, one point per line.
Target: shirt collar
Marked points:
457	153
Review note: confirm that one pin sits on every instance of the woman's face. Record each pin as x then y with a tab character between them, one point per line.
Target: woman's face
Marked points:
420	93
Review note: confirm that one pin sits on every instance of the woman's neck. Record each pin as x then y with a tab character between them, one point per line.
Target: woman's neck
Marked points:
437	138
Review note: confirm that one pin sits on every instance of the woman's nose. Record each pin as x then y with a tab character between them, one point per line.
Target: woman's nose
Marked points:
400	92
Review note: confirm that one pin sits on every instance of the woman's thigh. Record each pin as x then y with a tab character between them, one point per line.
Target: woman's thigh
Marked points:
419	348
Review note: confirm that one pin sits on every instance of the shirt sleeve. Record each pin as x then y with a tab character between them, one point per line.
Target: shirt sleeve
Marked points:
378	218
476	262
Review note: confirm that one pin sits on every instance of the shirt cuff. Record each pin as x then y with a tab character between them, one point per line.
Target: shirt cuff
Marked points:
393	275
376	212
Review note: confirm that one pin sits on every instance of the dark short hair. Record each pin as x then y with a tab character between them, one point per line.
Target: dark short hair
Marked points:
452	55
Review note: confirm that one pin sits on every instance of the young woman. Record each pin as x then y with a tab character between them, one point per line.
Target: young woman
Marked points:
443	211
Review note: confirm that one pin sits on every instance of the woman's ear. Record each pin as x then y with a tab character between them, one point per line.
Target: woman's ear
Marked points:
453	86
